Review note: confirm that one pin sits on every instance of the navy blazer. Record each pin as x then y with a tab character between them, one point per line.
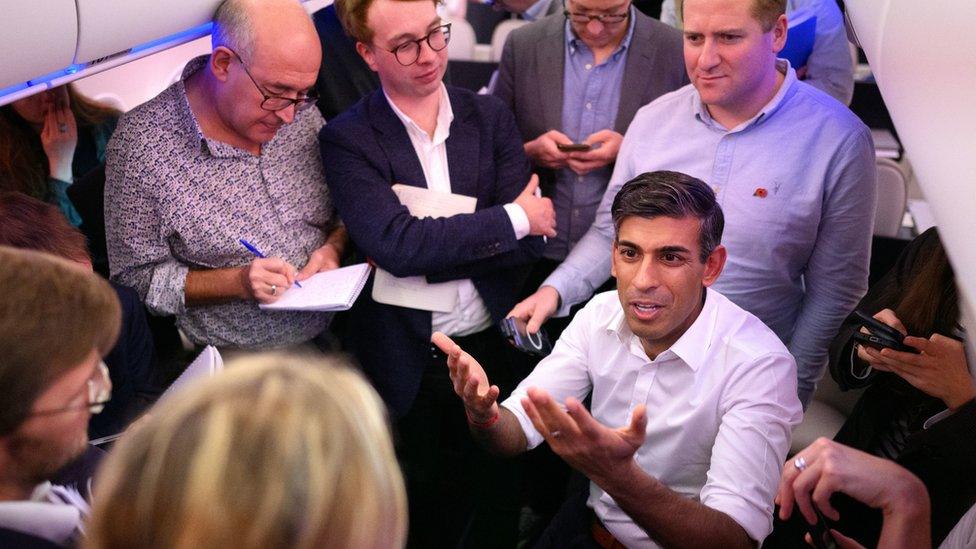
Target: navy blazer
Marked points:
365	151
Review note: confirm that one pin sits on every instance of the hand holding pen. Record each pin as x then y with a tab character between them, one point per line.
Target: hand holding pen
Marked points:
265	279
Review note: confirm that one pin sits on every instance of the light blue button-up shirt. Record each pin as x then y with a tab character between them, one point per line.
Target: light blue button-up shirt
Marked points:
797	186
591	96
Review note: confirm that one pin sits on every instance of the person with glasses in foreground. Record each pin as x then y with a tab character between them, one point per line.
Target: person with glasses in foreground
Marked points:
228	152
57	322
435	141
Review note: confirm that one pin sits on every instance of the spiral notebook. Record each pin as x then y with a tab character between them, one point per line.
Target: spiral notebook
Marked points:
334	290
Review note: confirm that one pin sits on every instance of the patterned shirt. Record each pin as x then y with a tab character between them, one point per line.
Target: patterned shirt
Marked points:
176	201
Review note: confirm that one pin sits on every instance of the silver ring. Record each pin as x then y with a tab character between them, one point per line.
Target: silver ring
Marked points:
555	434
800	463
62	127
274	289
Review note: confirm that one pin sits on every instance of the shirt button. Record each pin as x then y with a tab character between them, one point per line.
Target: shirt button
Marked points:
589	106
589	66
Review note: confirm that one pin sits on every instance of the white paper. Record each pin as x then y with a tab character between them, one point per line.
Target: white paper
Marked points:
204	366
334	290
415	292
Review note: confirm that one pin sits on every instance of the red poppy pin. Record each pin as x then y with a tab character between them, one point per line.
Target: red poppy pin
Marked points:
761	192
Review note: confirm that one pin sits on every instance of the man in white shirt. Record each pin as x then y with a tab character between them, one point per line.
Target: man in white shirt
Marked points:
443	145
693	398
56	323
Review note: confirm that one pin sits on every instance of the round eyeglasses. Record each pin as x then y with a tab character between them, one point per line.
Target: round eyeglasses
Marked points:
99	387
276	103
408	52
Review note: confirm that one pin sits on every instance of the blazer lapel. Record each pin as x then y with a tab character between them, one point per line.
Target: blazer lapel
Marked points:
636	78
463	147
550	57
404	165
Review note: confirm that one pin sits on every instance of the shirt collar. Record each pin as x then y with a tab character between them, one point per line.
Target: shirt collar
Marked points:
692	347
445	115
573	44
57	523
786	89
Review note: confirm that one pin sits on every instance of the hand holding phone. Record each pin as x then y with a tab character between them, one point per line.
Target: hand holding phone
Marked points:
518	335
880	334
573	147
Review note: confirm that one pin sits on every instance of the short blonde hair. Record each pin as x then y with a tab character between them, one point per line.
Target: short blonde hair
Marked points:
53	314
277	451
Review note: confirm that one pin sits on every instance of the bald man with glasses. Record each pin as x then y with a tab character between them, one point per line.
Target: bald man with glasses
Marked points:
444	144
228	153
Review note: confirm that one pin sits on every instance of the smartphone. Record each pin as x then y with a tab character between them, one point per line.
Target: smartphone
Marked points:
534	344
573	147
881	335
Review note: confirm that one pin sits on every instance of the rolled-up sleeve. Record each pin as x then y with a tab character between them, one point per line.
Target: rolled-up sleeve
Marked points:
759	407
135	232
836	277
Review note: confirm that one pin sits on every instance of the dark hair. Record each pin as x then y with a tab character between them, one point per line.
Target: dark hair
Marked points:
671	194
28	223
23	164
930	303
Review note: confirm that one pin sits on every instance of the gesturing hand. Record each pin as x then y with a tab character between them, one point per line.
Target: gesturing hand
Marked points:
597	451
469	380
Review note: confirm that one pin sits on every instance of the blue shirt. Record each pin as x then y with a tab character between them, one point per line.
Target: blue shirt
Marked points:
591	95
797	184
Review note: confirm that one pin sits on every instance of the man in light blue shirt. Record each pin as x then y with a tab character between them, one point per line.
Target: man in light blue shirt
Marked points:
830	67
792	169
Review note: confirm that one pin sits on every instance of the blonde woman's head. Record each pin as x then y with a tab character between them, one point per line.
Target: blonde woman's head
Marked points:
277	451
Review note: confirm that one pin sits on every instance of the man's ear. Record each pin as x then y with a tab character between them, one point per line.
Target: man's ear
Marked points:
220	61
714	265
779	31
367	54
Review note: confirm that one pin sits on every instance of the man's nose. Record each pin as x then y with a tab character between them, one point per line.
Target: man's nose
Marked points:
286	114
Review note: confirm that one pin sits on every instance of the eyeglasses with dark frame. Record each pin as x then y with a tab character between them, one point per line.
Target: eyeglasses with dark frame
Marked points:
275	103
408	52
99	387
604	18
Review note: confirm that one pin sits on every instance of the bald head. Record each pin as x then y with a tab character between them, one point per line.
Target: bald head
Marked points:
266	28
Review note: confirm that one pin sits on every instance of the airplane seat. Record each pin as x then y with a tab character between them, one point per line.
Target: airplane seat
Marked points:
461	46
500	35
827	412
892	197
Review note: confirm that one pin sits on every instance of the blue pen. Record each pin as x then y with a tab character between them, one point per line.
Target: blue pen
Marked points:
250	247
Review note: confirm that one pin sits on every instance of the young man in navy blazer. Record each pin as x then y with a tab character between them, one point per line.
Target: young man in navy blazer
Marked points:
417	132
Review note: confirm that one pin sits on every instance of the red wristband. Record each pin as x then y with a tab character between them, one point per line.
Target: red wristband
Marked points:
485	424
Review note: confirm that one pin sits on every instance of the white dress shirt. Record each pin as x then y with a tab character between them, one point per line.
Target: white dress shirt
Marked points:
721	403
470	315
54	513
